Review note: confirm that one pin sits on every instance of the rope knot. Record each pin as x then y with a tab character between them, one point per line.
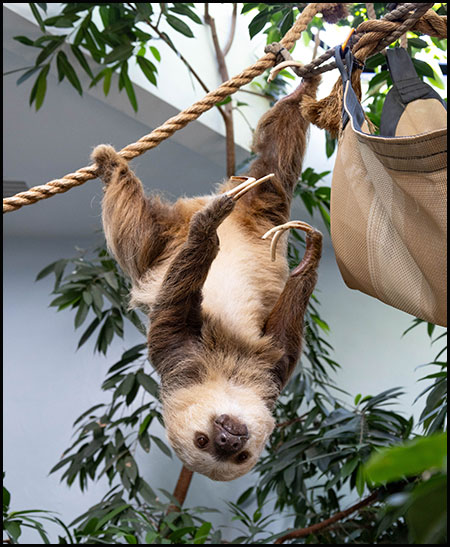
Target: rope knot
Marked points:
280	52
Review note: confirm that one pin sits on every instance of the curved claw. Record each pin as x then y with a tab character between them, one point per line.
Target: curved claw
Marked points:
280	66
278	231
248	184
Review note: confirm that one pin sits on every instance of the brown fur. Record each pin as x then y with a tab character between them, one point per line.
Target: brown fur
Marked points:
173	254
326	113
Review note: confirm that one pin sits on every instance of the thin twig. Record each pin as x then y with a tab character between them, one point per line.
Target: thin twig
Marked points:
228	118
228	45
293	420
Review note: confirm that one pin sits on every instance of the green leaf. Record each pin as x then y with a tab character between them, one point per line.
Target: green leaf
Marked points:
126	385
156	53
330	144
6	500
258	23
148	68
124	78
225	101
131	468
144	441
244	497
320	322
39	88
202	533
145	10
417	43
146	492
81	314
37	16
108	517
12	527
184	9
407	460
375	60
24	40
88	332
46	271
66	69
348	468
82	60
120	53
145	423
49	49
147	383
427	514
162	446
423	68
360	480
179	25
27	74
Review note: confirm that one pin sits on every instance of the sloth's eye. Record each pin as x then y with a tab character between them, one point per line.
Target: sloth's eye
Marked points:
201	441
242	457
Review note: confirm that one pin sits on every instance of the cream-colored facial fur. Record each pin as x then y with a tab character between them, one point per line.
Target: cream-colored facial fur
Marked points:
193	409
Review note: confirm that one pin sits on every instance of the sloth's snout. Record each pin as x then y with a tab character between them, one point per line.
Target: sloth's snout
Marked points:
229	435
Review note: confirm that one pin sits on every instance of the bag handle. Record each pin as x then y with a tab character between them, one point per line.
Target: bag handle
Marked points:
351	107
407	87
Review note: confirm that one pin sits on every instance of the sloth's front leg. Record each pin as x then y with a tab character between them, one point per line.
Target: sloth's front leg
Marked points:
176	316
285	322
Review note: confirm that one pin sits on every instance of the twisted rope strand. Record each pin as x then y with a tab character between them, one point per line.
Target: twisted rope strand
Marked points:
373	31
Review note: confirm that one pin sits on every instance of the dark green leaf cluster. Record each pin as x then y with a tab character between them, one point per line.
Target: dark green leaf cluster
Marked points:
106	442
434	415
315	196
15	521
98	291
84	35
423	502
114	521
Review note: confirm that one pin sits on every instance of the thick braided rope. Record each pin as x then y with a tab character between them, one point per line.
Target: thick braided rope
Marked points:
172	125
378	34
426	23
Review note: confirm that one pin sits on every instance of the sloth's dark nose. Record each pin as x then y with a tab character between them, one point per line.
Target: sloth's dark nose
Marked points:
229	435
232	425
227	443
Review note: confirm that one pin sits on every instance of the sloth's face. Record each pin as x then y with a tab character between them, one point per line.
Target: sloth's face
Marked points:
217	428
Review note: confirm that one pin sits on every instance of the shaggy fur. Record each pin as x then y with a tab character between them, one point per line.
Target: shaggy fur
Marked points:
225	322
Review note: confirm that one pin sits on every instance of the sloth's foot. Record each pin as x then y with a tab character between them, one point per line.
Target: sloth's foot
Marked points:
313	236
248	184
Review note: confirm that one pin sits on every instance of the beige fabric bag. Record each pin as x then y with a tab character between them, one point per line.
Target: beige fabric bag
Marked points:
389	195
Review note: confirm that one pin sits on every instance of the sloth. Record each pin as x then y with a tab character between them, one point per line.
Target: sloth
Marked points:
225	320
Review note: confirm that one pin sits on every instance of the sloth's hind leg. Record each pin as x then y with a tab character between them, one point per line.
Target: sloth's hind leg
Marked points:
285	322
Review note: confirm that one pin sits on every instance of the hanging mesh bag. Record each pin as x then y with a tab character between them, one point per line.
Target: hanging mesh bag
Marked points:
389	194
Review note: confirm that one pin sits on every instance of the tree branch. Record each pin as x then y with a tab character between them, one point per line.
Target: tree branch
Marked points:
228	119
181	488
303	532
